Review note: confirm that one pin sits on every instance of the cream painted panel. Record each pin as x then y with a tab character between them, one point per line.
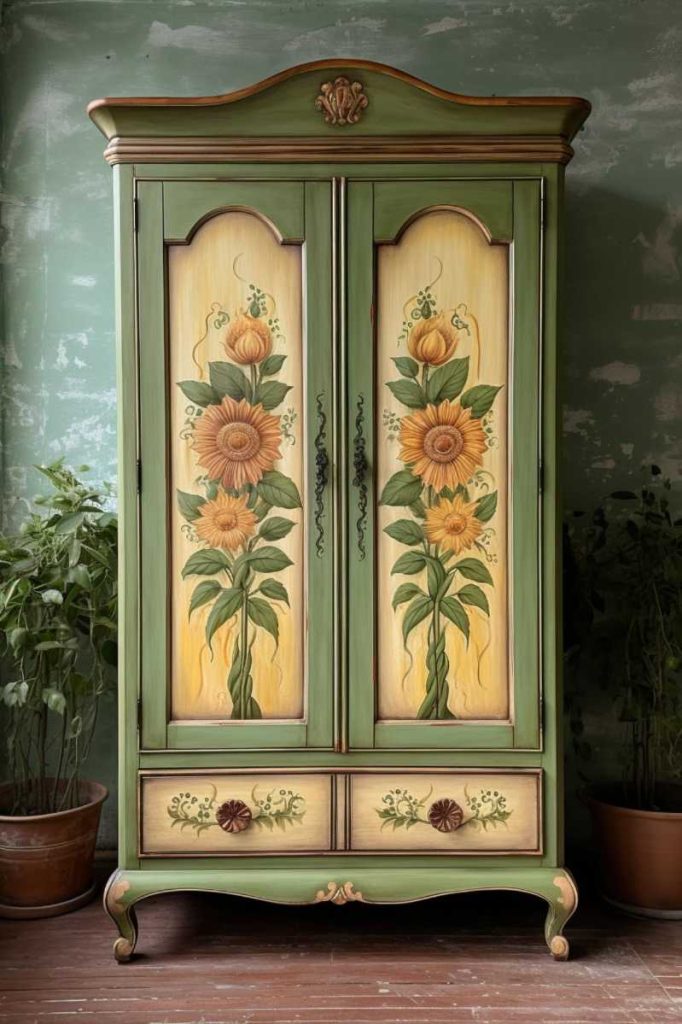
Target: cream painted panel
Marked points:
181	813
445	255
211	283
482	812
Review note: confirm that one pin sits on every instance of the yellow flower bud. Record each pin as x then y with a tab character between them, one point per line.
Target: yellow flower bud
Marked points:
248	340
433	341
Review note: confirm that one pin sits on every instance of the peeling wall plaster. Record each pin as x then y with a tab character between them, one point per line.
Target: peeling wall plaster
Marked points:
623	299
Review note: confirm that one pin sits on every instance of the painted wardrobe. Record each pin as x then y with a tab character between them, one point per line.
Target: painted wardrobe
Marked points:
340	571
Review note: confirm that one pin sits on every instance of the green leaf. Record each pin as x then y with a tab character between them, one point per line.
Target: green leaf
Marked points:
228	379
403	488
267	559
227	605
272	365
189	505
408	392
453	610
274	590
406	366
486	507
206	563
277	489
198	393
405	592
263	615
418	610
448	380
70	523
203	592
435	575
471	594
405	531
480	399
275	528
409	564
80	574
474	570
271	394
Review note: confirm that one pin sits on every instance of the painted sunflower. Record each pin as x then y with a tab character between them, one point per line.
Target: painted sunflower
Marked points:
225	522
237	442
452	524
443	444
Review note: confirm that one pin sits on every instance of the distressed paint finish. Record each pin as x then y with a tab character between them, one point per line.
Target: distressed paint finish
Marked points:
624	202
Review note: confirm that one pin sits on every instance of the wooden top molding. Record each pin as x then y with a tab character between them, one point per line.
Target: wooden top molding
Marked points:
277	119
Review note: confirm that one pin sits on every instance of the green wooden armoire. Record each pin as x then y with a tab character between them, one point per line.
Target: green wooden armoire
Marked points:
340	571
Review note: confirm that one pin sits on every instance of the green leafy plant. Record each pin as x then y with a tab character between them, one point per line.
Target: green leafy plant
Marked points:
57	637
624	629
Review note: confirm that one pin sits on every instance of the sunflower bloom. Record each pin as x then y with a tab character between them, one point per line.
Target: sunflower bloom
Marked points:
433	340
248	340
225	522
237	442
443	444
452	524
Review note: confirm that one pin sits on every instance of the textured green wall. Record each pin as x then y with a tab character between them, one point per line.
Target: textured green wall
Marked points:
623	309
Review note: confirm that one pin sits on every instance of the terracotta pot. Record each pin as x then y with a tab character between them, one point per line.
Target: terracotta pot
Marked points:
46	860
641	856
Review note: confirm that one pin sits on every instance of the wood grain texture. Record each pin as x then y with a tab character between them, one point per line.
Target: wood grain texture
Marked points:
479	959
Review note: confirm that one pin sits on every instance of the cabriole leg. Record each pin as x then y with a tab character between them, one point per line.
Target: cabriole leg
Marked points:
561	908
119	905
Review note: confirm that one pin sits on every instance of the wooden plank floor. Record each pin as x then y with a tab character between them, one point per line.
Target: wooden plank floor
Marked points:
216	960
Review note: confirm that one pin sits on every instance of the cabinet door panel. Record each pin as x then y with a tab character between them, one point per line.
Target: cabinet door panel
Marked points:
228	419
452	526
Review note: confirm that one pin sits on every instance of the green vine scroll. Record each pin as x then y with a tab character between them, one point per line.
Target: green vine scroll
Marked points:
403	810
443	437
279	808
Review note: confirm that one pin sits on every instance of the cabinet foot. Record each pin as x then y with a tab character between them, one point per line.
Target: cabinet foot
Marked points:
118	903
562	901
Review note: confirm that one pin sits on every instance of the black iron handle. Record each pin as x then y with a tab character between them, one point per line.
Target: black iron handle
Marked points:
321	475
360	467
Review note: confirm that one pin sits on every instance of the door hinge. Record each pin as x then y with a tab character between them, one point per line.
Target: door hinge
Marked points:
139	714
136	215
139	475
541	476
543	207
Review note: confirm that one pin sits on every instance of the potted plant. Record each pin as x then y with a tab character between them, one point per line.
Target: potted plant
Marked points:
625	616
57	643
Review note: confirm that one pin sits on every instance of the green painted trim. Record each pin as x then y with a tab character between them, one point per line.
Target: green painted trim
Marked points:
397	204
250	735
284	105
341	880
443	735
415	171
187	205
360	408
353	759
526	399
154	540
319	385
128	562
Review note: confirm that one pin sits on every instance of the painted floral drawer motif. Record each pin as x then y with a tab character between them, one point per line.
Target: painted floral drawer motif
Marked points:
449	812
234	813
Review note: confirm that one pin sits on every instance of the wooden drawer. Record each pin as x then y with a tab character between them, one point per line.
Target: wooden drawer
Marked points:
231	813
453	812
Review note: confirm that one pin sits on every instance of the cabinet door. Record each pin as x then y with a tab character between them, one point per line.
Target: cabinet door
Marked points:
443	421
234	307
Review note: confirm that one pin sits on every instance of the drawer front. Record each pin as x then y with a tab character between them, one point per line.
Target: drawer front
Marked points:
481	812
233	813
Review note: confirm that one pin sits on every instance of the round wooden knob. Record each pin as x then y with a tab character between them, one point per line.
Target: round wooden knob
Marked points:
234	816
445	815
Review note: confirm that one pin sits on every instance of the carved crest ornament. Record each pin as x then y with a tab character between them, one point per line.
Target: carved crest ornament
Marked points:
341	101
